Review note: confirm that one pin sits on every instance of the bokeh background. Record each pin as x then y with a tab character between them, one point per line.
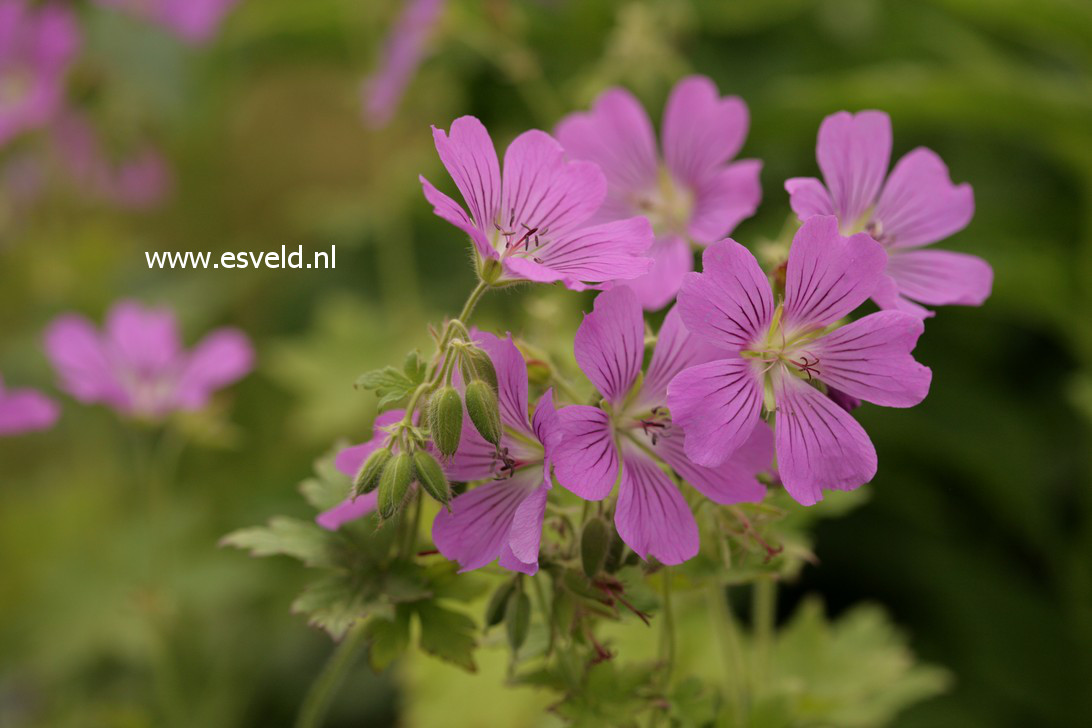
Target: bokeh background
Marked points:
977	534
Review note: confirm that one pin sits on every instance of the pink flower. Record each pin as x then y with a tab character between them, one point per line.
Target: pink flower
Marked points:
502	519
534	222
25	410
690	192
781	355
137	364
37	44
633	428
402	54
916	206
140	181
194	21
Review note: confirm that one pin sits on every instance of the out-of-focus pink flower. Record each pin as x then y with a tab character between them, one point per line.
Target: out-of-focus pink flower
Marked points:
137	364
914	206
25	410
141	181
696	193
534	222
36	47
402	54
194	21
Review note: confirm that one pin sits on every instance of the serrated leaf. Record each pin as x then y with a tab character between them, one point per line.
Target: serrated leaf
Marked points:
414	368
388	638
390	385
301	540
333	603
329	486
447	634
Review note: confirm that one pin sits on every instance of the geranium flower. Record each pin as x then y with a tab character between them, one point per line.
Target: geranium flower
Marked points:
137	364
633	432
194	21
534	222
502	519
777	356
690	192
916	206
25	410
402	54
37	44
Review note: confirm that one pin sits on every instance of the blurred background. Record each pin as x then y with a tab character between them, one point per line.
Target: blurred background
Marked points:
251	130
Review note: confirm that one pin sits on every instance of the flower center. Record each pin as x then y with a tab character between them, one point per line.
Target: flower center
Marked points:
668	207
654	424
785	349
867	223
514	238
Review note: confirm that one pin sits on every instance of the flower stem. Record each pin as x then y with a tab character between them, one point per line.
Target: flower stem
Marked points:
472	301
764	609
724	626
324	688
667	630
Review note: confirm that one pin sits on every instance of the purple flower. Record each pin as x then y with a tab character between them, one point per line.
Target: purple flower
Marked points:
691	192
534	222
137	364
348	461
775	356
25	410
502	519
633	432
402	54
916	206
36	47
194	21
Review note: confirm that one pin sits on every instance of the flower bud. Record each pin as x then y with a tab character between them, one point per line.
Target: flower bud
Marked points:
518	619
498	603
445	420
431	476
393	484
481	367
367	479
594	544
481	405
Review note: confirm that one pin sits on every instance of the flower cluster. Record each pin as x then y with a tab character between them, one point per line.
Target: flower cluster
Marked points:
752	375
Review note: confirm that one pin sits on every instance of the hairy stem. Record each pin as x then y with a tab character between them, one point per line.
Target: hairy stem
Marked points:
324	688
764	610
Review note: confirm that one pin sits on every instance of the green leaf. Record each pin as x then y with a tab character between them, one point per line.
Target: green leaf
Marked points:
329	486
388	638
447	634
333	603
414	368
301	540
390	385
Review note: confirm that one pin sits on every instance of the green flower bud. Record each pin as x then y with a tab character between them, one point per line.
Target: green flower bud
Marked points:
431	476
481	367
594	544
367	479
498	603
518	619
445	420
394	483
481	405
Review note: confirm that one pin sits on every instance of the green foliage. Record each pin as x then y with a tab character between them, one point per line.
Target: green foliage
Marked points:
391	385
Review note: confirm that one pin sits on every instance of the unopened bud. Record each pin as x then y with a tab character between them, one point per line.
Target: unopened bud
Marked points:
431	476
481	405
394	483
367	478
481	367
518	619
594	545
498	603
445	420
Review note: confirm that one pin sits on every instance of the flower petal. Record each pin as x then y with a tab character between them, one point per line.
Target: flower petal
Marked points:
610	343
143	340
729	303
547	425
829	275
221	358
586	460
477	527
511	379
78	355
671	261
675	350
26	410
717	405
819	444
701	130
545	192
724	199
348	510
733	481
941	277
652	516
471	160
596	254
870	359
808	196
854	151
447	209
919	204
525	536
617	135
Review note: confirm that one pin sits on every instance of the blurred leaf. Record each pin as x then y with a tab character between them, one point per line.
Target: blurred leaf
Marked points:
388	638
287	536
447	634
334	603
